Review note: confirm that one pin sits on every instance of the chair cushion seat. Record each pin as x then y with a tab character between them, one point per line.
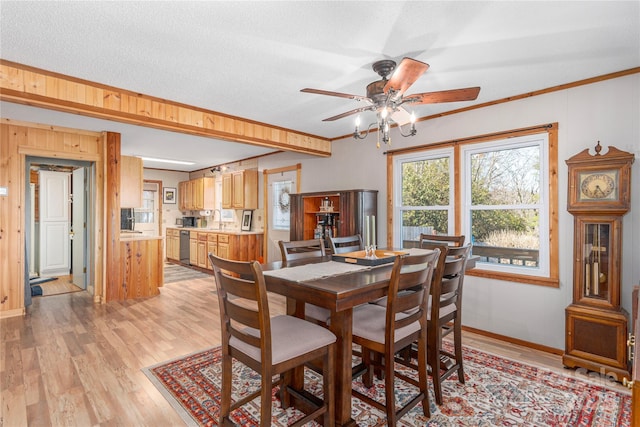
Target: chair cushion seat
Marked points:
318	313
369	323
290	337
444	311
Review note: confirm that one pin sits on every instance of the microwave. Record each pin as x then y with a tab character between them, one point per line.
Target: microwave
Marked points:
188	221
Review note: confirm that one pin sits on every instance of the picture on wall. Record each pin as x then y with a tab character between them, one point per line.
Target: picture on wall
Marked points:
246	220
169	195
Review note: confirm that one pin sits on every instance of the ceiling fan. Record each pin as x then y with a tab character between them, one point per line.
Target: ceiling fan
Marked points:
386	96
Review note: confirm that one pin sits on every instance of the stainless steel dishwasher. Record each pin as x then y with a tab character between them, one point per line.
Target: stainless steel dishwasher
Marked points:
184	247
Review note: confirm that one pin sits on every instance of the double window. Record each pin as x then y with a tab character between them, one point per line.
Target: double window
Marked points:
499	191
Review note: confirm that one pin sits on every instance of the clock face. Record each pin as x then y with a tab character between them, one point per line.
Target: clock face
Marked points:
599	185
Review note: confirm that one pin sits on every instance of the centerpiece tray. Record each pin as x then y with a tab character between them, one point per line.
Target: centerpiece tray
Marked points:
359	257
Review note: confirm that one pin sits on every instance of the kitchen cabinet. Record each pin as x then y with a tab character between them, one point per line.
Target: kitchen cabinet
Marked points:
230	245
141	267
240	190
227	183
345	215
212	247
203	259
173	244
224	248
193	248
131	181
197	194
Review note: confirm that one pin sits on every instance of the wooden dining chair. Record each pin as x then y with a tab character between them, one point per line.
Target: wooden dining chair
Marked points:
381	331
268	345
304	249
440	239
344	244
445	315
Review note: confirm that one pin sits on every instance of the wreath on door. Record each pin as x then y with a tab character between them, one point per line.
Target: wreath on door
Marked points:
283	199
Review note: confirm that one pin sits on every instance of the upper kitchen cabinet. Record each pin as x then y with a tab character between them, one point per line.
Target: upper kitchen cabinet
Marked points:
197	194
131	178
240	190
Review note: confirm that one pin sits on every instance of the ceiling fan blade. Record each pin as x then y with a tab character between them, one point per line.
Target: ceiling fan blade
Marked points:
405	74
453	95
349	113
338	94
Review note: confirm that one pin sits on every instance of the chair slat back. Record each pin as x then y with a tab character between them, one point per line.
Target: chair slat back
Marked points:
242	297
408	290
446	293
300	249
440	239
344	244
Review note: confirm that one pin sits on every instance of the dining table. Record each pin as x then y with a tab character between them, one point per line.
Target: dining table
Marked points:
338	287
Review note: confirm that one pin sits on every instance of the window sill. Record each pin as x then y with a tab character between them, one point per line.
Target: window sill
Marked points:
519	278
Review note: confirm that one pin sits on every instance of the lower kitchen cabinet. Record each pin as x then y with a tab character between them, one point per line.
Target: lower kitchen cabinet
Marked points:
173	244
141	267
234	246
193	248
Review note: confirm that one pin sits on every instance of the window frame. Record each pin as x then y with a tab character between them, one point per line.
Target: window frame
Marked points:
468	150
400	208
550	277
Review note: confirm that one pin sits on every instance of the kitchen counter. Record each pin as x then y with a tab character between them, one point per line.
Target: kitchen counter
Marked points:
215	230
138	236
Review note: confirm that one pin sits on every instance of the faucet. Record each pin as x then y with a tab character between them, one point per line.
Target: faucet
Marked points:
213	218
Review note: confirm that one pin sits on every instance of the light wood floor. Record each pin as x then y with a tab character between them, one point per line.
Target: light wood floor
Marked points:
72	362
63	285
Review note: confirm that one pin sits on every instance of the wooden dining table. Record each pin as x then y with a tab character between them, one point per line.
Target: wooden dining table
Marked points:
339	294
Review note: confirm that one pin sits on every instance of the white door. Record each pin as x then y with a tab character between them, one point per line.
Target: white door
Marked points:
78	228
54	223
279	185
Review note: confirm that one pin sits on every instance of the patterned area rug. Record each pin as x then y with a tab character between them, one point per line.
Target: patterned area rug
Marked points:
178	273
497	392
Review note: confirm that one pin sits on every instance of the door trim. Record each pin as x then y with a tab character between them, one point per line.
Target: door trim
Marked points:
265	190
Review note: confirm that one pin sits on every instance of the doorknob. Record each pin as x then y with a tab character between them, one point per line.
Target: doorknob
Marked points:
71	234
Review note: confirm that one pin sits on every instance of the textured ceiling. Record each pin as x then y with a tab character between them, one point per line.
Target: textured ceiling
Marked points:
250	59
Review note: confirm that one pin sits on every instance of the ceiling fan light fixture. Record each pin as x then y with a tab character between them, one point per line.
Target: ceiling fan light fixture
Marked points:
383	123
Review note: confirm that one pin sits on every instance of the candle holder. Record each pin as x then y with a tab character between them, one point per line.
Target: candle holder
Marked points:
370	252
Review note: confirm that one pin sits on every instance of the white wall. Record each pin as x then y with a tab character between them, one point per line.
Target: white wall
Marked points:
608	111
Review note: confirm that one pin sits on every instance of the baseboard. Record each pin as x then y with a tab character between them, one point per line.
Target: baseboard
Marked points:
516	341
12	313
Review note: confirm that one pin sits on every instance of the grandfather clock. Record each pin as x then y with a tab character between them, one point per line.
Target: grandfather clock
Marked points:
596	324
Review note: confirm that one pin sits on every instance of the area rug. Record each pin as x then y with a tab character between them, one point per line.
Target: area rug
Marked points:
178	273
497	392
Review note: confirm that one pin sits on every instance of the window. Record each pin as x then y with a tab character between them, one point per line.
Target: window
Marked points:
145	215
426	199
498	190
505	200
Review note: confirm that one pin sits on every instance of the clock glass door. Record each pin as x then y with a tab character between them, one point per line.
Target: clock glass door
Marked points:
596	269
596	261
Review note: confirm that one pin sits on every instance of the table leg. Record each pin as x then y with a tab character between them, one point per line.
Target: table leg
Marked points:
340	325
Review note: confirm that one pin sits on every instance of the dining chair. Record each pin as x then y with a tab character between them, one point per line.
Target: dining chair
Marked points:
381	331
303	249
440	239
445	315
268	345
344	244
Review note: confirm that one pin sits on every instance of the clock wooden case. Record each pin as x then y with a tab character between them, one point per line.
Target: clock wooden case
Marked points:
596	324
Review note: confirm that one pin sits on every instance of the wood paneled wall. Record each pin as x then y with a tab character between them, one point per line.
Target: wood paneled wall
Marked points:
18	140
32	86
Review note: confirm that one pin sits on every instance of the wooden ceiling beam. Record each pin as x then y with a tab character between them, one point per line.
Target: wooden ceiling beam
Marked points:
45	89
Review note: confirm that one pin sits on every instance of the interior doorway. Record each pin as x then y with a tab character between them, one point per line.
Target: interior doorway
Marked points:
278	184
57	232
